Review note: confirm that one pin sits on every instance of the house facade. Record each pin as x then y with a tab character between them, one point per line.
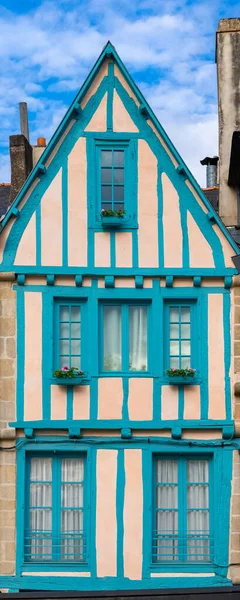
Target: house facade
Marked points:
125	475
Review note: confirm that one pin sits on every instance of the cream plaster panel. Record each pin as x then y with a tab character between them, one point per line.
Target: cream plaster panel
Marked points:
172	229
106	521
124	282
4	236
147	206
51	223
33	356
133	515
57	146
227	249
123	249
110	398
35	280
196	196
124	83
140	399
58	402
191	402
98	121
169	402
87	282
26	252
212	282
56	574
102	249
77	205
216	380
186	282
200	251
174	161
101	282
103	72
81	402
202	434
147	282
66	281
152	433
121	118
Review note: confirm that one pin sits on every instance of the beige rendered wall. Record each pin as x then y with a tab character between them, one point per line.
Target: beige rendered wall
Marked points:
7	435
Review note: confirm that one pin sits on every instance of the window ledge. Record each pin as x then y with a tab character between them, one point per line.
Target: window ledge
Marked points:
113	222
183	381
68	381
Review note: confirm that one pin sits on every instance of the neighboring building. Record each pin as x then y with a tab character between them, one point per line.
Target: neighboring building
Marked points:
123	481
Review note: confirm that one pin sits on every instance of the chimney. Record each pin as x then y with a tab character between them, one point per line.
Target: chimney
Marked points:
38	149
228	71
211	170
20	155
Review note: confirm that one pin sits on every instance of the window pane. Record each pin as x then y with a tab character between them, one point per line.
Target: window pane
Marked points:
166	544
64	330
64	347
72	469
118	158
112	338
106	193
106	158
174	362
41	494
75	347
118	193
75	313
72	539
118	206
198	510
75	330
75	362
64	313
186	362
174	331
118	176
106	175
185	331
138	338
174	314
185	314
174	348
185	348
41	469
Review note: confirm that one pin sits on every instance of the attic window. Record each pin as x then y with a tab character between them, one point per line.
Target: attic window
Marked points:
112	179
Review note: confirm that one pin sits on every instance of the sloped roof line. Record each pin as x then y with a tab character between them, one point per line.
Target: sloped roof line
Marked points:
110	49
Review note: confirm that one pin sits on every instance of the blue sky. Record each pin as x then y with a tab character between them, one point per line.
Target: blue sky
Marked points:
48	47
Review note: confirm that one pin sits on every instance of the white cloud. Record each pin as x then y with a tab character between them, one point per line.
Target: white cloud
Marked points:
166	46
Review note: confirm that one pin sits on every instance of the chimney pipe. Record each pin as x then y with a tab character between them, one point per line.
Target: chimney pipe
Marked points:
211	171
24	119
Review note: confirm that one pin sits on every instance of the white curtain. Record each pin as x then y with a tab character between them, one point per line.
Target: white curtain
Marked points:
195	544
112	338
167	519
198	519
39	538
138	338
72	544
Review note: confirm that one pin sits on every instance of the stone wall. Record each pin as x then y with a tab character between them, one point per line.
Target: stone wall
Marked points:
7	434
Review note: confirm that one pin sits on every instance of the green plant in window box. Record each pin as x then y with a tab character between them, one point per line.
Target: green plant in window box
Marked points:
68	373
107	212
188	372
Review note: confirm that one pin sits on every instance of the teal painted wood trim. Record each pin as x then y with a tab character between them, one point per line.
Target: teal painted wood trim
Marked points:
69	403
109	583
21	279
110	97
180	402
113	249
109	281
50	279
92	423
15	212
78	280
20	353
228	282
125	384
185	238
227	352
38	237
47	350
182	171
93	514
169	281
29	433
197	281
126	433
139	281
120	491
203	339
65	211
147	513
120	272
74	432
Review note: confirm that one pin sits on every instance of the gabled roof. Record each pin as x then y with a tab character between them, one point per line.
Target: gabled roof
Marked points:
107	52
